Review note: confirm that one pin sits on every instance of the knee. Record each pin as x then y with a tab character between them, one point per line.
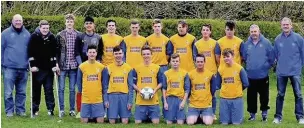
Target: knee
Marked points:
112	121
208	122
125	121
155	121
137	121
190	122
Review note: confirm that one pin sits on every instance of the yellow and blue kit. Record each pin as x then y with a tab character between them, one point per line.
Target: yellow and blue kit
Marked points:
208	49
133	45
235	44
183	45
119	88
160	48
109	42
176	83
90	79
233	81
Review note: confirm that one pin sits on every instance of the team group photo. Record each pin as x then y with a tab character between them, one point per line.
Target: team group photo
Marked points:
69	69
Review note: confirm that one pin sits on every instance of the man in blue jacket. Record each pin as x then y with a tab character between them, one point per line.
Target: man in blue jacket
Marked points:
289	53
14	64
258	57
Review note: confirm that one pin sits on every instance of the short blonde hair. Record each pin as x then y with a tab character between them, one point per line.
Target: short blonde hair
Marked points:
69	17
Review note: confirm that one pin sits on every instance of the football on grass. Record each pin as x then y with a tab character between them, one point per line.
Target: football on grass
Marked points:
146	93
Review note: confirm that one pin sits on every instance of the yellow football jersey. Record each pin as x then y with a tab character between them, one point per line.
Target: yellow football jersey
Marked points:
207	48
133	48
231	81
147	77
158	45
91	82
175	83
234	44
200	96
118	81
109	42
183	46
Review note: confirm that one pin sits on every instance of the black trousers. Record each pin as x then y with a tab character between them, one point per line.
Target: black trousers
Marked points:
43	78
261	87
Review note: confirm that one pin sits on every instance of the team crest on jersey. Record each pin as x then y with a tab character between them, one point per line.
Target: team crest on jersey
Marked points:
261	45
293	44
235	73
94	41
187	42
152	72
117	42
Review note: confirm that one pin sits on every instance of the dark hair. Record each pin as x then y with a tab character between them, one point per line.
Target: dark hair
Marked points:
146	47
174	56
230	24
200	55
207	25
89	19
116	48
227	51
110	20
183	23
134	21
91	46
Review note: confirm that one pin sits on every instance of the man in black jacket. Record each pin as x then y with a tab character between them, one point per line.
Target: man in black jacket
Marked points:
42	52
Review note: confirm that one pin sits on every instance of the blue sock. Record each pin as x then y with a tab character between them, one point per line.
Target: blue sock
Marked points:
264	113
252	115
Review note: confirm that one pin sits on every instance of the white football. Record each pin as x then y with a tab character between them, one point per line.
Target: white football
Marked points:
146	93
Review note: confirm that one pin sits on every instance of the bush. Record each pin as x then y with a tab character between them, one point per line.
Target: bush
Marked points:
269	29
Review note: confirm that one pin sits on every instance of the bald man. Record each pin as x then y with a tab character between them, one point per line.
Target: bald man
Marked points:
14	65
258	56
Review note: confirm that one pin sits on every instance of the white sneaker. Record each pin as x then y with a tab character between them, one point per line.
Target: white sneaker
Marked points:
301	121
78	115
62	113
36	113
276	121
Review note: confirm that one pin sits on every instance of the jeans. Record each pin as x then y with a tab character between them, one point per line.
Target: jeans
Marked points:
14	78
45	78
72	81
281	87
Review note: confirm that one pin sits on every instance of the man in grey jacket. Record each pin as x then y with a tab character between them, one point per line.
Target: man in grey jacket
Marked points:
14	64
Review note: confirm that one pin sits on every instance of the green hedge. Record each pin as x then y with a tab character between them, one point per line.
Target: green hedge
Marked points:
269	29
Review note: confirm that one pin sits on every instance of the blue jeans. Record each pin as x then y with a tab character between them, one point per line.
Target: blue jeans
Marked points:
15	78
72	81
281	87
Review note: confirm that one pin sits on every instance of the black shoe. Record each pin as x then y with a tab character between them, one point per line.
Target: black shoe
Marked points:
251	118
51	113
264	119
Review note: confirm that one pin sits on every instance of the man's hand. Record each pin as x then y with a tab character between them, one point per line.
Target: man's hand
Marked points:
182	105
129	106
107	104
34	69
166	107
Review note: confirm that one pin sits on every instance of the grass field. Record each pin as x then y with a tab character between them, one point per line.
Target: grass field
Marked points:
44	121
